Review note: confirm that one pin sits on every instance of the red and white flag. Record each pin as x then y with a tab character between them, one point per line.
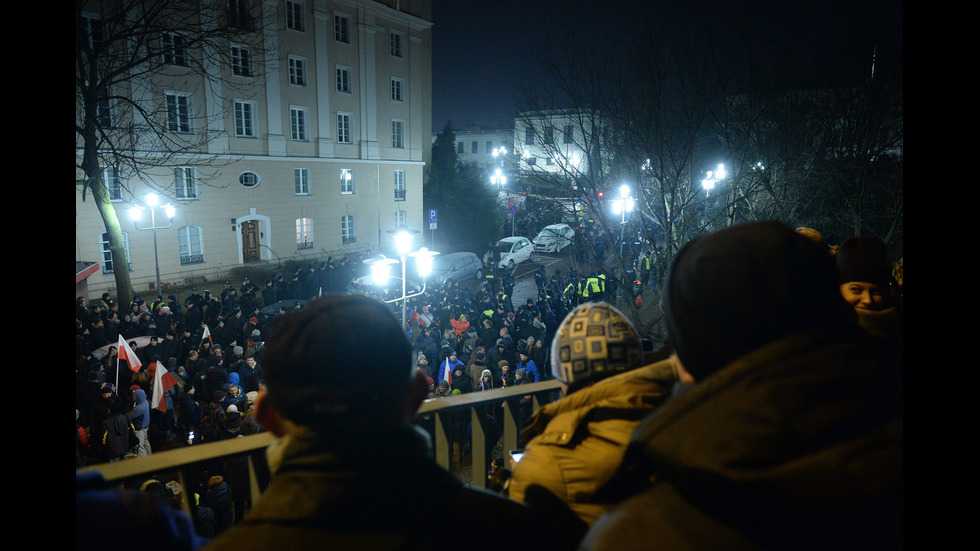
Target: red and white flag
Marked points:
162	380
126	353
207	335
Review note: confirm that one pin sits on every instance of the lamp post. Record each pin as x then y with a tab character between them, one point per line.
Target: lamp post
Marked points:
136	213
624	206
381	265
712	178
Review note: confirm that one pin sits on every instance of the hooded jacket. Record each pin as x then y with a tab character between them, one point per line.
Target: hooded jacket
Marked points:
140	416
575	444
796	445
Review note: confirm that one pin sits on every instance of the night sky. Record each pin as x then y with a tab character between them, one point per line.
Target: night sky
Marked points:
483	52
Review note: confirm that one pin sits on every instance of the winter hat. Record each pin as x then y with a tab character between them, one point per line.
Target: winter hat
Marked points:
238	350
486	373
863	259
593	342
502	363
522	372
734	290
232	408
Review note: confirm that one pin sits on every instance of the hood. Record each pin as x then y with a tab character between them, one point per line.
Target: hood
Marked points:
139	396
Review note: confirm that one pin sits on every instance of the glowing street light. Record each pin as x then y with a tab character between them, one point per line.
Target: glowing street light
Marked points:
623	206
498	178
712	178
381	265
136	212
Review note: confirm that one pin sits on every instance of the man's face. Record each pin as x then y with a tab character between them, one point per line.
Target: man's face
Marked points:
250	362
863	295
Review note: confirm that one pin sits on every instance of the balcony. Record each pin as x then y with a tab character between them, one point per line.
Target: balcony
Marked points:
186	464
399	195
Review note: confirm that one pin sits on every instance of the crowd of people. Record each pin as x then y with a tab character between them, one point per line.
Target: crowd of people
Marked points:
773	420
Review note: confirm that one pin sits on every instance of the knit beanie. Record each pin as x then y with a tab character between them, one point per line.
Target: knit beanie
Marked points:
863	259
737	289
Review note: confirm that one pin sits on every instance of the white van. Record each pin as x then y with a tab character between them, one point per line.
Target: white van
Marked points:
553	238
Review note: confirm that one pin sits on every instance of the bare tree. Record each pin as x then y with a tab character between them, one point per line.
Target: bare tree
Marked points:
151	77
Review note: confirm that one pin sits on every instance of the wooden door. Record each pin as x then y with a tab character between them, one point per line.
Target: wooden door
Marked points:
250	241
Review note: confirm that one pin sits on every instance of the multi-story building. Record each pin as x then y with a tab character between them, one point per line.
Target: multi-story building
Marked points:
485	148
312	145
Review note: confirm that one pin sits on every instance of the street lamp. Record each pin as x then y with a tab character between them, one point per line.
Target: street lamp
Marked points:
712	178
136	212
623	206
498	178
381	265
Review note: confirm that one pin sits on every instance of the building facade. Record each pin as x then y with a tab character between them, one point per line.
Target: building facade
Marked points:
311	145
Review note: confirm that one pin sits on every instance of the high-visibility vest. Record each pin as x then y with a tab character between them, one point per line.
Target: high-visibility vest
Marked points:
602	283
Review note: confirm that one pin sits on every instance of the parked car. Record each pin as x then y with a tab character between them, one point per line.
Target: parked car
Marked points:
553	238
450	268
513	251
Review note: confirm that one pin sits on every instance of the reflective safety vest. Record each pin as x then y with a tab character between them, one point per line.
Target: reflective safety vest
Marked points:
602	283
592	285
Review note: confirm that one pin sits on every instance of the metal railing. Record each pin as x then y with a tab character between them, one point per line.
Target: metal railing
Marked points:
435	415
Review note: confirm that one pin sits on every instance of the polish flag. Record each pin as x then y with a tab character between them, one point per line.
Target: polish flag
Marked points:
162	380
207	335
126	353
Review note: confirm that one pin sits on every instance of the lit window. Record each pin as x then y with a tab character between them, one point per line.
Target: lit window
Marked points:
346	180
304	233
399	185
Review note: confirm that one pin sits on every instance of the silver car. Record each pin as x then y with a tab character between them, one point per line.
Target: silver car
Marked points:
450	268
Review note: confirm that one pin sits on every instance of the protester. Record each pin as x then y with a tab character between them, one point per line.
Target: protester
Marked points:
350	471
791	437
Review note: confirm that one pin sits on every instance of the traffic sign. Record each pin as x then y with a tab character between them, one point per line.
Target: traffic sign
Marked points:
432	219
513	209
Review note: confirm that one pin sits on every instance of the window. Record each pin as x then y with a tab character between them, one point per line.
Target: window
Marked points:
294	16
341	28
95	31
461	147
304	233
297	71
529	135
398	134
343	79
245	119
399	185
297	123
178	112
348	229
569	134
103	109
474	147
241	61
343	128
173	50
301	176
238	15
185	182
532	161
108	266
191	245
549	135
396	43
249	179
401	218
110	179
490	147
397	85
346	181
